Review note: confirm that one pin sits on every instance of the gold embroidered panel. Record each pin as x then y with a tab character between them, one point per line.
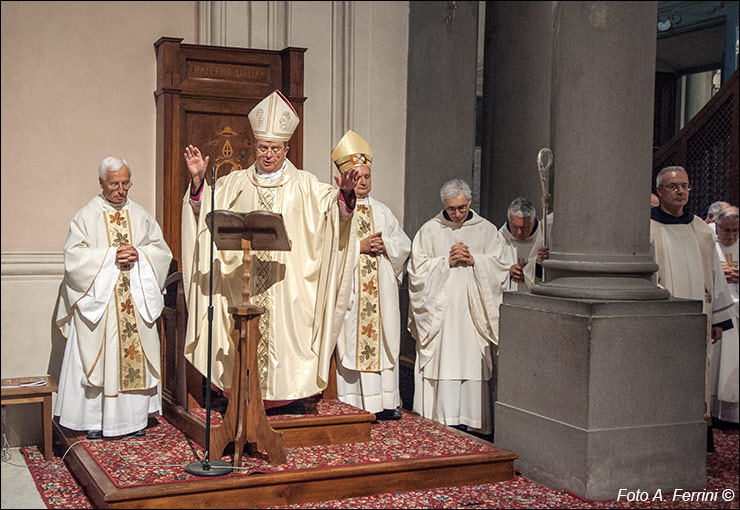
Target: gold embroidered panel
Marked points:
132	373
369	326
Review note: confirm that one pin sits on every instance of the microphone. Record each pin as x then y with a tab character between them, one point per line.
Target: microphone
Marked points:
238	156
220	161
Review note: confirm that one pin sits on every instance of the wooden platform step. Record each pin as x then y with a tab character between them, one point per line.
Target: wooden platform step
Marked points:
297	431
293	486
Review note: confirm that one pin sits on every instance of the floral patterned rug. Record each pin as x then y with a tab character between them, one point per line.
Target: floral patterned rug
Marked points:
161	455
130	462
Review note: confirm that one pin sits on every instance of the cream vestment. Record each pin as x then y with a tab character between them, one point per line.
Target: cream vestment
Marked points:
111	368
453	319
689	267
305	290
368	346
725	375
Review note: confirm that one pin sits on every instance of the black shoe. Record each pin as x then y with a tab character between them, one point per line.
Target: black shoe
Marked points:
710	439
388	414
94	435
461	427
138	433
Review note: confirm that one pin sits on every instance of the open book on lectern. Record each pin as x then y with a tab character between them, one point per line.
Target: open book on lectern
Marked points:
265	230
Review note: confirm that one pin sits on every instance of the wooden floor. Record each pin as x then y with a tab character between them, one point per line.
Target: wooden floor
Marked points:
290	487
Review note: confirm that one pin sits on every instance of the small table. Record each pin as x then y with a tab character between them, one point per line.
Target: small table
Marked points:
33	394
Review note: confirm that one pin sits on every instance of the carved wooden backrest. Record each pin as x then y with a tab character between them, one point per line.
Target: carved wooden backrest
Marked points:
204	95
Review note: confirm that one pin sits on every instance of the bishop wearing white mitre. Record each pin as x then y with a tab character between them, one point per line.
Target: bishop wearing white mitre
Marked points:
304	291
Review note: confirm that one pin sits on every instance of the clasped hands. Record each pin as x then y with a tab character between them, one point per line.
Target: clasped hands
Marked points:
460	256
373	245
126	255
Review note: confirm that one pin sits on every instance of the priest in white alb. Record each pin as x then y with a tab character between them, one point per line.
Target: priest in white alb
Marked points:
304	291
725	373
370	340
115	265
452	315
688	264
522	239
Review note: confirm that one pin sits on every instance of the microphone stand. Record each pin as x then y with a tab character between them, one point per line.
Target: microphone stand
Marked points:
207	467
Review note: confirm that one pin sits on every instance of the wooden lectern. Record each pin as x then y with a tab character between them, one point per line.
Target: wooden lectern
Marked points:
245	419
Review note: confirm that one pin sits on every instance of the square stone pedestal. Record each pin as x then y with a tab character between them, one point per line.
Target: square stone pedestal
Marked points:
598	396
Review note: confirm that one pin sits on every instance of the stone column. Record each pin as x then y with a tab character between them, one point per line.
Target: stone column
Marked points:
601	376
603	81
516	103
440	108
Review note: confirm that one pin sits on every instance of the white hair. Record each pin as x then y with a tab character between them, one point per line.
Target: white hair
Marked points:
111	164
667	169
454	188
728	213
522	207
716	208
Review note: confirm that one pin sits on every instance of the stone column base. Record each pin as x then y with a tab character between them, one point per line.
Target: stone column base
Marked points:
598	396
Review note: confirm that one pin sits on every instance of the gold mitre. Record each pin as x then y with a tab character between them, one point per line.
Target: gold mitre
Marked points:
273	119
352	150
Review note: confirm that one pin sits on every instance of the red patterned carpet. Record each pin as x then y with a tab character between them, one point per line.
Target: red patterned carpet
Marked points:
159	457
130	462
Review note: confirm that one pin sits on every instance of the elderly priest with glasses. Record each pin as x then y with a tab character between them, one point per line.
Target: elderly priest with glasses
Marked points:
304	291
115	265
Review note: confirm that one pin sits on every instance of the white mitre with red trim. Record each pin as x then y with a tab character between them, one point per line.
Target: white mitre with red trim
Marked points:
273	119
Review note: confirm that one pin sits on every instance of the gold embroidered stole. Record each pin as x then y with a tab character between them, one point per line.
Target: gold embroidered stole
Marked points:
132	373
262	279
369	327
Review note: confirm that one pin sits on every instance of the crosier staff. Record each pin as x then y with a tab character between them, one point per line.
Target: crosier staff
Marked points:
544	162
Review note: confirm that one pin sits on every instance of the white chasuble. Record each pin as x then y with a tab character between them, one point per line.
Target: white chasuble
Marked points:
111	368
369	343
453	319
305	290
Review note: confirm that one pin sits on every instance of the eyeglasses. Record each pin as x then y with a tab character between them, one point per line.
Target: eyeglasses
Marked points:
275	150
114	186
460	209
675	187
